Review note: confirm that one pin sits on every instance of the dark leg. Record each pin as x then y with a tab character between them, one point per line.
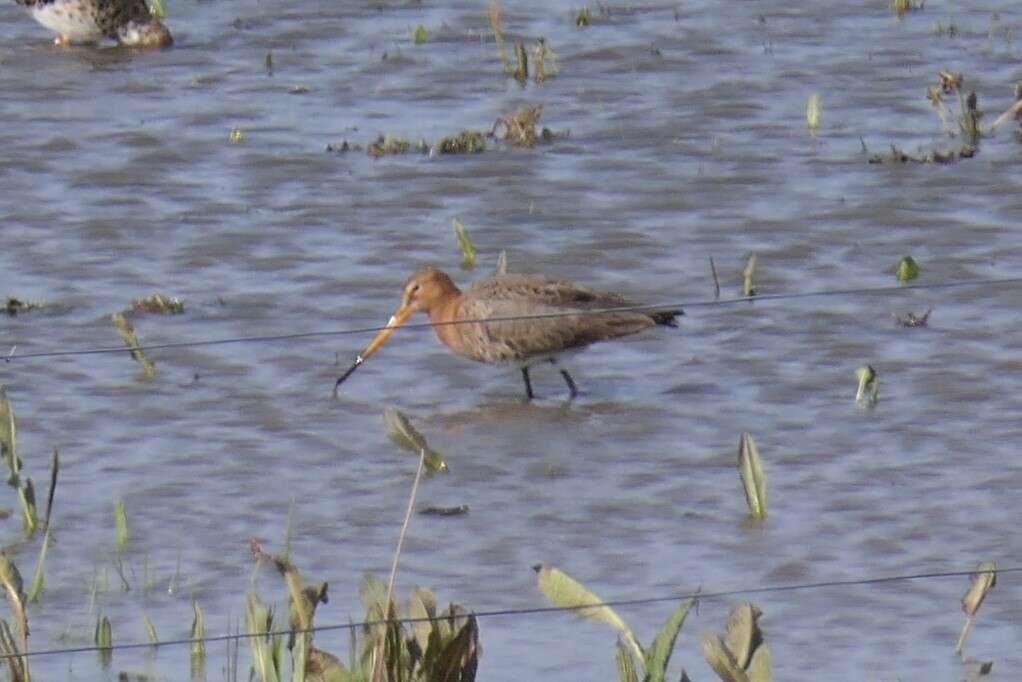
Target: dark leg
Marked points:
528	384
572	388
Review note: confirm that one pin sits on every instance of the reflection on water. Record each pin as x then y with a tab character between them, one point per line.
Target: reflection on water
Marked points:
687	141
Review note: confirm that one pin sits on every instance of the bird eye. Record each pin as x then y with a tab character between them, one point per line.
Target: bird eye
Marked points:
414	289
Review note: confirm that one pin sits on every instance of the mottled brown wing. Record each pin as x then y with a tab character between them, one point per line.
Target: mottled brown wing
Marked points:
543	290
517	340
114	14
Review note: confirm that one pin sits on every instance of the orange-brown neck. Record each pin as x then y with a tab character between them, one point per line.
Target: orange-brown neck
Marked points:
447	310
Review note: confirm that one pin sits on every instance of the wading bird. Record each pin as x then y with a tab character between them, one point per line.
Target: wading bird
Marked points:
129	22
517	319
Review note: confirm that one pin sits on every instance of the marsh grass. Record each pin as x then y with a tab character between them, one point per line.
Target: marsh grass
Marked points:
634	663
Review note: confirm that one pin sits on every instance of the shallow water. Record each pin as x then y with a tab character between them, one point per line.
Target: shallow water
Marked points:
684	138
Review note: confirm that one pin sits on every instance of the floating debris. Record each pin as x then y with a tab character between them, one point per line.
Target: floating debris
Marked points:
519	127
14	306
299	90
907	269
343	147
158	304
421	35
236	136
869	386
465	142
913	320
750	468
457	510
468	249
268	63
983	580
897	155
501	268
582	17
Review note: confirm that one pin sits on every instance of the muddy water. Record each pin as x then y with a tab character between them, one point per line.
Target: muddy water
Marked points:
684	139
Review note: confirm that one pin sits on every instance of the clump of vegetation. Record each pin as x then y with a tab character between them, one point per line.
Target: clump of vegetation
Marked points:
912	319
465	142
564	591
385	145
14	306
14	649
903	7
159	304
437	646
519	127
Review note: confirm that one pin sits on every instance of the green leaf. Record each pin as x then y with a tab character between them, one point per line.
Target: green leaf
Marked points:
721	660
421	35
813	112
121	525
759	666
748	289
198	631
869	385
468	249
659	653
402	433
422	605
907	269
743	635
750	467
625	664
564	591
150	629
26	495
39	577
259	621
9	437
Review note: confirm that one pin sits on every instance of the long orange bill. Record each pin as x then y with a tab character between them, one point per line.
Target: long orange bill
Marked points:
396	321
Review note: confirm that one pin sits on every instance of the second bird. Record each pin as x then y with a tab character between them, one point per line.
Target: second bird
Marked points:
534	318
